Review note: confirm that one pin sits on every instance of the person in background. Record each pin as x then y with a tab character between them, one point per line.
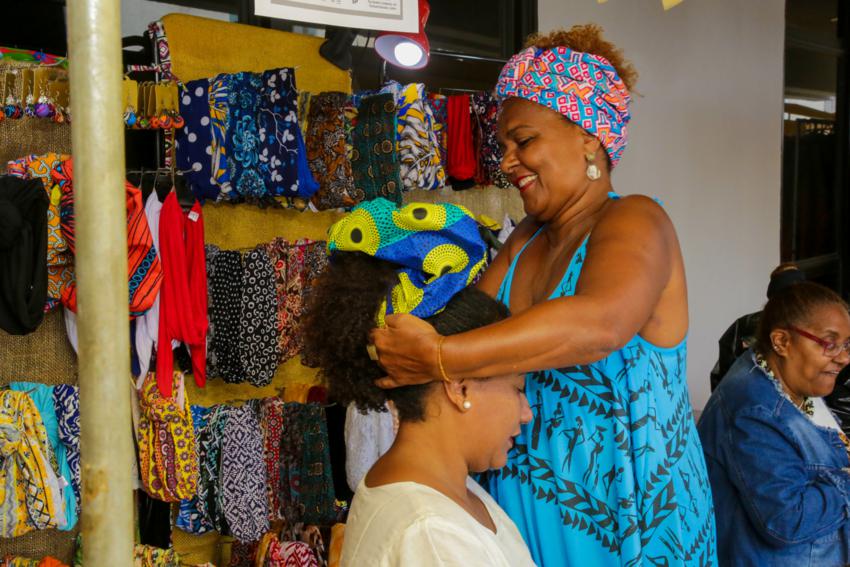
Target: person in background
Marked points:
610	471
741	334
777	459
417	506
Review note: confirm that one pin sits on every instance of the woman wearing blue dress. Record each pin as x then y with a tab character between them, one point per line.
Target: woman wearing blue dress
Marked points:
610	471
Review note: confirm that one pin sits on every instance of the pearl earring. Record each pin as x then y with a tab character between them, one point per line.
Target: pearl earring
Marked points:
593	173
467	404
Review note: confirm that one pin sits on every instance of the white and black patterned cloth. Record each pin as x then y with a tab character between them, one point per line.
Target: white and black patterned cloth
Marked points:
211	251
243	474
225	308
258	344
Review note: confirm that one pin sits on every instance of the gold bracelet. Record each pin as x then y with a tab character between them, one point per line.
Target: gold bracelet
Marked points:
440	359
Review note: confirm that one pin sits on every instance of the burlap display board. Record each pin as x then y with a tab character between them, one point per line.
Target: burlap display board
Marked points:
32	136
43	356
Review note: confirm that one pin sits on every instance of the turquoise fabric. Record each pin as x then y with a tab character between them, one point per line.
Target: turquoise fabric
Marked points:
42	397
611	470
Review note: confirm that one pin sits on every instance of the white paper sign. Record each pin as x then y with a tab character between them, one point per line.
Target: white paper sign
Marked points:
383	15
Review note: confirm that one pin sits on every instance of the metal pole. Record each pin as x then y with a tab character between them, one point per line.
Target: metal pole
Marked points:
94	53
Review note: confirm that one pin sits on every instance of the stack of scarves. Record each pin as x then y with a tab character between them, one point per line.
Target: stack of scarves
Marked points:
30	491
261	462
256	302
241	140
168	461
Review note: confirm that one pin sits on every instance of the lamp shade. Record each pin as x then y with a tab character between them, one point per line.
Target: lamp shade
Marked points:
407	50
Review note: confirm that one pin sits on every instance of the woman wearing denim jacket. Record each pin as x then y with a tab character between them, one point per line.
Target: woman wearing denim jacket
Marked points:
777	459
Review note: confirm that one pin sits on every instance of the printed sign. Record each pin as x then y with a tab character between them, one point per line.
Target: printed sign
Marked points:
383	15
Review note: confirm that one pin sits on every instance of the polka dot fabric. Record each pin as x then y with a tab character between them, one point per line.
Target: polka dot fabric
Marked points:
438	249
225	311
194	141
258	343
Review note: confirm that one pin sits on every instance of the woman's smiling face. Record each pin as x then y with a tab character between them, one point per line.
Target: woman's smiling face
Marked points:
544	156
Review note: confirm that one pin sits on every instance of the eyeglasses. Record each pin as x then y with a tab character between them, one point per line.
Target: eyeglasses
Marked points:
830	348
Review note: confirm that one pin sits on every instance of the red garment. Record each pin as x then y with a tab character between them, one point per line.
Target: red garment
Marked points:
183	298
461	162
144	272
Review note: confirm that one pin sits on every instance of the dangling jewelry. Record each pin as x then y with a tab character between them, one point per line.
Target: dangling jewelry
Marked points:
806	406
467	405
130	116
12	108
593	173
29	109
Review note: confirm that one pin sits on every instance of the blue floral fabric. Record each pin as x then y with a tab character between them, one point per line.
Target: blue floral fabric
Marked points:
243	137
278	125
193	142
611	470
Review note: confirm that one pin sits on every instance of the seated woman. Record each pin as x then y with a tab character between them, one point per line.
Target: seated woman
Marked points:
417	505
777	460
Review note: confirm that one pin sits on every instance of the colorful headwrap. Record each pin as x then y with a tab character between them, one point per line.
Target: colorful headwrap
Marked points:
438	249
583	87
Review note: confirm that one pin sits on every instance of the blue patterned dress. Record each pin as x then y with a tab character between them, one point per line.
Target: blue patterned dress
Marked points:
611	470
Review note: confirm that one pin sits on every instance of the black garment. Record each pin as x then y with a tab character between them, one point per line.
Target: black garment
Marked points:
738	337
23	254
154	521
839	400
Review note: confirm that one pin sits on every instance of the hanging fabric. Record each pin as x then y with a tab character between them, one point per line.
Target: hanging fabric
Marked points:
192	517
194	142
66	404
183	300
224	313
23	254
243	138
218	102
327	153
486	109
147	325
258	341
461	159
278	122
374	163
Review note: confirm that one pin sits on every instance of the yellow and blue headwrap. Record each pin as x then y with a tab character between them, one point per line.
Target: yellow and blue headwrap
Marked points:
437	247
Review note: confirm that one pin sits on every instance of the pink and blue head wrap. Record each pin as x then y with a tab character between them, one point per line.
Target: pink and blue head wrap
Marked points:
583	87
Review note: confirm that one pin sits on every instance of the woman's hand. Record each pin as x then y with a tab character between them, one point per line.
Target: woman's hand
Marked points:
407	349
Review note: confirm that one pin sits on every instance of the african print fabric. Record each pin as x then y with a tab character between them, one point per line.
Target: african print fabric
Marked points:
66	401
219	97
290	554
611	470
486	109
438	249
326	151
374	161
271	423
418	146
583	87
194	141
439	109
315	262
192	516
225	313
258	340
243	137
278	122
29	490
243	475
168	462
210	252
209	502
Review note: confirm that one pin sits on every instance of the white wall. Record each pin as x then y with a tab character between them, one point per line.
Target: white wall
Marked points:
705	138
137	14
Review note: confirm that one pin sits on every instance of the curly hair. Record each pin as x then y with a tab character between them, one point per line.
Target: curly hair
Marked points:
587	38
340	315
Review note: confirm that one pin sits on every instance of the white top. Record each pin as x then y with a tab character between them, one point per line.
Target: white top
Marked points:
407	524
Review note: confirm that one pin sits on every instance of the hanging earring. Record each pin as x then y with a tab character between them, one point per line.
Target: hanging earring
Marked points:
44	107
592	171
130	116
29	109
467	405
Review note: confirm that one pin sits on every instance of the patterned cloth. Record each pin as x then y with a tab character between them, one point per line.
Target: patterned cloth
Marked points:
271	423
242	554
582	86
438	248
418	146
219	97
326	151
66	401
374	162
224	313
486	109
29	490
438	104
148	556
290	554
243	475
611	470
194	141
243	137
144	271
210	252
278	122
315	262
209	457
290	262
192	515
163	52
168	462
43	398
258	339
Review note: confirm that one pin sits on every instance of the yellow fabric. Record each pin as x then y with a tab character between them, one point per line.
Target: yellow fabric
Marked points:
201	48
335	548
25	493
